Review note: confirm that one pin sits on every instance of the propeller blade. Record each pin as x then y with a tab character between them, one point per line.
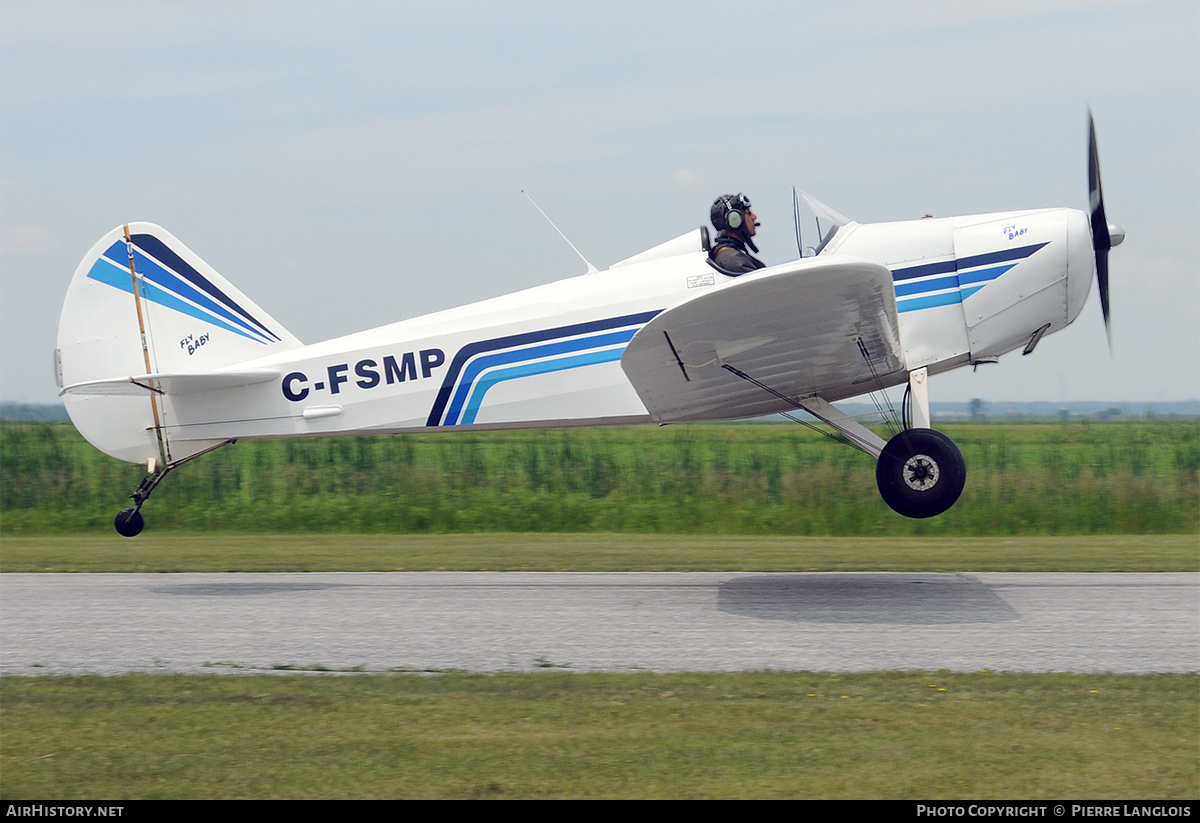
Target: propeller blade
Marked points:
1102	283
1100	235
1102	239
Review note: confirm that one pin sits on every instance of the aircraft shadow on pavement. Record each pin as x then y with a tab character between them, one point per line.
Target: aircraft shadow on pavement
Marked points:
913	599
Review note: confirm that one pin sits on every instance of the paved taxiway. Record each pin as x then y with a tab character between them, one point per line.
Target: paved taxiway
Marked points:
480	621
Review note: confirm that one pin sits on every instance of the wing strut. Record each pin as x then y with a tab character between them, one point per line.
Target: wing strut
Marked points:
859	435
852	432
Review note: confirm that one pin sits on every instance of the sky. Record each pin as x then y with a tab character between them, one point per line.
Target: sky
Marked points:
350	165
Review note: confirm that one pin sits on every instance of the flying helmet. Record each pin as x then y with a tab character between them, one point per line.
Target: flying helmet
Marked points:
728	213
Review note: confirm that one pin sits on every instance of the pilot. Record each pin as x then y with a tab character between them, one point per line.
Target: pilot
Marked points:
736	225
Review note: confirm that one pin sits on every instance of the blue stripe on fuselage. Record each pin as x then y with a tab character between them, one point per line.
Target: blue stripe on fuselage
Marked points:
528	369
467	352
490	361
968	279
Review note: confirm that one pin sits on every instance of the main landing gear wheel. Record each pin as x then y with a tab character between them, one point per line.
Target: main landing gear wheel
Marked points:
920	473
129	522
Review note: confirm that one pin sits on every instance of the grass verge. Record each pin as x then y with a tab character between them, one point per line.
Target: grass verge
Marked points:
596	552
452	735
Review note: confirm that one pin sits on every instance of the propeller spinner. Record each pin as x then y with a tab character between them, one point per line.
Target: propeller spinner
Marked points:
1105	235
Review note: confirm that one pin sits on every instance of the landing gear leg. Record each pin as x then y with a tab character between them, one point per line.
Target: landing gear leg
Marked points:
920	472
129	522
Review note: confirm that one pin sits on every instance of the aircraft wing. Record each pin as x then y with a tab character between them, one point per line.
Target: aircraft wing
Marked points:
800	329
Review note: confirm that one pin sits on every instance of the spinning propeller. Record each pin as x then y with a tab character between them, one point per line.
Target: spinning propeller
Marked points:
1105	235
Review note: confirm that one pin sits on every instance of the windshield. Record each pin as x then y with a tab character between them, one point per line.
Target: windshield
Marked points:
816	223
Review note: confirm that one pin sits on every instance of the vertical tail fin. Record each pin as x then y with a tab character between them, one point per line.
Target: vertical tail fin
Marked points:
143	303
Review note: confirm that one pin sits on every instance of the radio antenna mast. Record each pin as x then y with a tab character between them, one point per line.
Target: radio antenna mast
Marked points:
796	220
591	269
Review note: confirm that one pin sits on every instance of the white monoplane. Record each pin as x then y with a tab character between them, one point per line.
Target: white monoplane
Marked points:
160	359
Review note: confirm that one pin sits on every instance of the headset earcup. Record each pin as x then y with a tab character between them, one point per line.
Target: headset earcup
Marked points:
734	219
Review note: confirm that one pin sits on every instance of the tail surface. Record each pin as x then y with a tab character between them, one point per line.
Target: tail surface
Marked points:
145	319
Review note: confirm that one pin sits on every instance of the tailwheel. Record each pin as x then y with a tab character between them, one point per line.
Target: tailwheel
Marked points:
920	473
129	522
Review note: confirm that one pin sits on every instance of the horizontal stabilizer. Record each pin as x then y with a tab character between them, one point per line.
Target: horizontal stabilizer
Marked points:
812	327
174	384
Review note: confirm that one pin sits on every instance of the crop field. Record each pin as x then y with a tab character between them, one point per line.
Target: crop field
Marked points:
729	479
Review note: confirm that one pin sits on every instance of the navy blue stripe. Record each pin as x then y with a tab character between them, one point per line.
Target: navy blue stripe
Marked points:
947	266
924	270
158	249
471	349
999	256
172	283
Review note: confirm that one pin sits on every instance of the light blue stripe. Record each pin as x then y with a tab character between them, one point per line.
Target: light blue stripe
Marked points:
110	274
481	364
928	302
980	276
529	369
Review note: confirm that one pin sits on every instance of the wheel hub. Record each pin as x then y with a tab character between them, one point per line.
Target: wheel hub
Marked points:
920	472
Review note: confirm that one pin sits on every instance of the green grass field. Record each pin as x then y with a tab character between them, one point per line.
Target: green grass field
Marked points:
768	735
743	479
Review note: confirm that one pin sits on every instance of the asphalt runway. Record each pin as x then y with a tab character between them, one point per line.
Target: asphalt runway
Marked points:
486	621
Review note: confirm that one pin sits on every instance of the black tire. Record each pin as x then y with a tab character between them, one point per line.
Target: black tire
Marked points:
129	522
920	473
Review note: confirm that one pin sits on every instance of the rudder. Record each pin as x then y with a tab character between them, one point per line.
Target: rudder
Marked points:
148	305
